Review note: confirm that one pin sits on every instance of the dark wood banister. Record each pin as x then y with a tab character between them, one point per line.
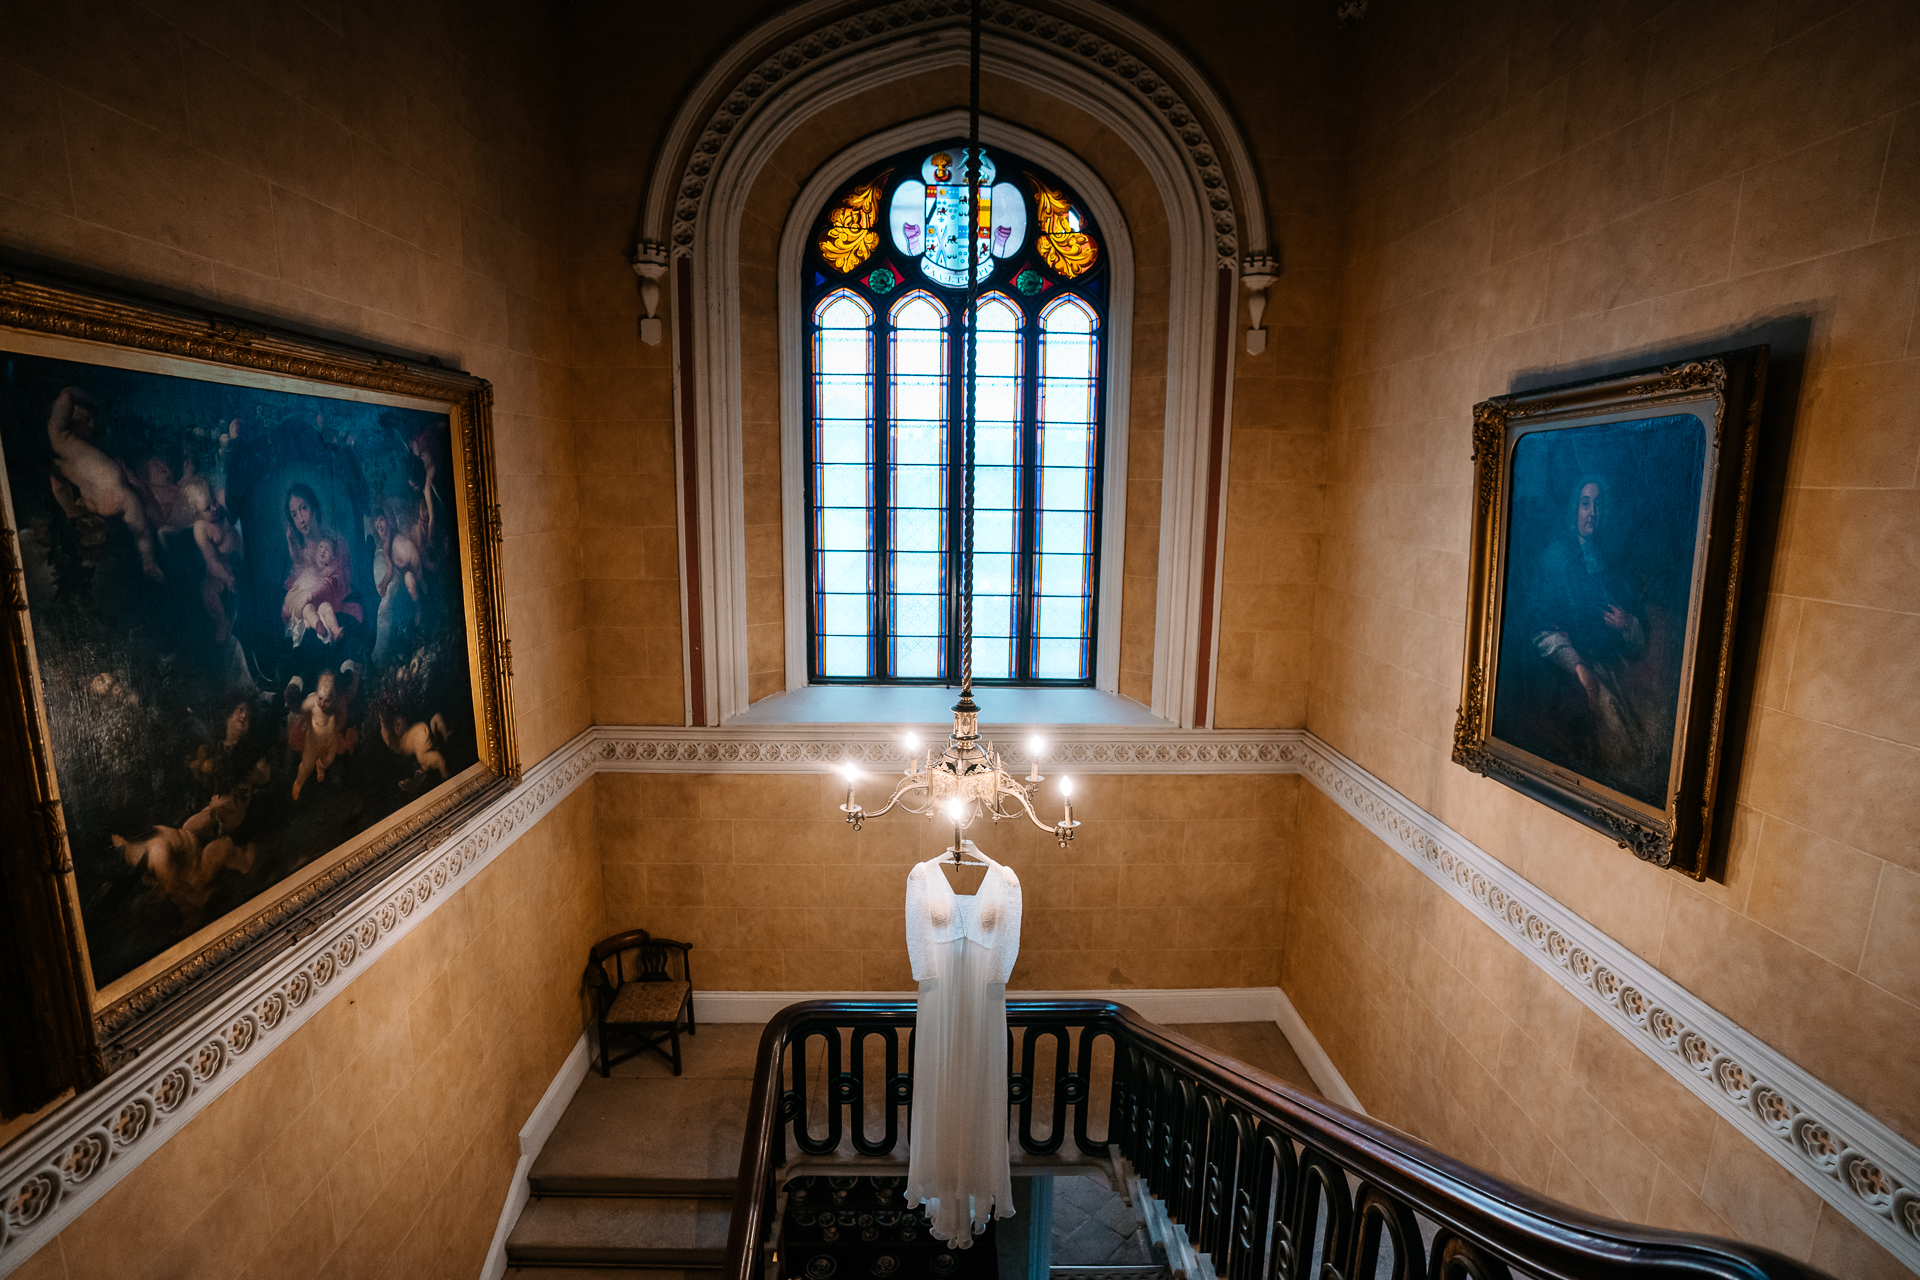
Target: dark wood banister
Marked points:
1497	1221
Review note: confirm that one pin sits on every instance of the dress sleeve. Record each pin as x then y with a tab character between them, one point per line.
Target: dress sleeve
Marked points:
919	954
1007	944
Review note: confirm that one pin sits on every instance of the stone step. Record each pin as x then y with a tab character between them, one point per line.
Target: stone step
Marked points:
600	1231
565	1184
664	1134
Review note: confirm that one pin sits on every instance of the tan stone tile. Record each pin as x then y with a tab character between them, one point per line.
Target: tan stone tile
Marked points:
1850	673
1678	1207
33	155
1648	1102
1810	773
1812	202
1842	1249
1583	190
221	1241
1815	891
1846	1031
1792	97
1672	245
1761	1201
1899	209
1892	954
1565	1182
1857	432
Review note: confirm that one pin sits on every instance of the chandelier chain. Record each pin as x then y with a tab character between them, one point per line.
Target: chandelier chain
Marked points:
973	352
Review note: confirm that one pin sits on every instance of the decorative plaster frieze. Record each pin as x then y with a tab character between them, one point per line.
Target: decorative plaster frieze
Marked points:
1853	1161
819	748
53	1171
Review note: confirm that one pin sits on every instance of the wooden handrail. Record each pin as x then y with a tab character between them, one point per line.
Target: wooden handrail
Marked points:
1214	1138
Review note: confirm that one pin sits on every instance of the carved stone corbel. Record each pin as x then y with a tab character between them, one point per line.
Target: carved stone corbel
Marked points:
650	263
1257	274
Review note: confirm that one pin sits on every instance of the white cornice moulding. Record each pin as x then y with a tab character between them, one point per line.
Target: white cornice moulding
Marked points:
50	1173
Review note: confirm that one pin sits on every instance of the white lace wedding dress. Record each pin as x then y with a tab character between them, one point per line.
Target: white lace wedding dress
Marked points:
962	947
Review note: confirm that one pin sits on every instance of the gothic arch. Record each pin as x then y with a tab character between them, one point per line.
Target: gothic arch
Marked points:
801	64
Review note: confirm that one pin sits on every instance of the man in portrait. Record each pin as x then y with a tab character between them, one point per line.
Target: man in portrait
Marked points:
1589	623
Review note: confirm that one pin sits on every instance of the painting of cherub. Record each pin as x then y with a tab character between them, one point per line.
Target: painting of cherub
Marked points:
250	630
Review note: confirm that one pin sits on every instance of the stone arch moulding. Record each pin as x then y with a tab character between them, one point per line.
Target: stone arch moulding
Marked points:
802	63
1118	338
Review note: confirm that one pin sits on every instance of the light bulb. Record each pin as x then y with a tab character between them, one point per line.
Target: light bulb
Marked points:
956	809
911	741
850	773
1066	786
1034	745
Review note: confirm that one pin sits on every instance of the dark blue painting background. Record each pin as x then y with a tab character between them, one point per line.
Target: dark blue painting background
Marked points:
140	686
1640	561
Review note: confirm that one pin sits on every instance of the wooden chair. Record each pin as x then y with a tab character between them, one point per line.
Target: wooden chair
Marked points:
634	992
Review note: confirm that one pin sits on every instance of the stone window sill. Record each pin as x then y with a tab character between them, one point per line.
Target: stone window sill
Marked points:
931	707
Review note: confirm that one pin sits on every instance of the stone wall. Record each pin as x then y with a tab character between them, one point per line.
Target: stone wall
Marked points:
385	174
1181	882
1558	194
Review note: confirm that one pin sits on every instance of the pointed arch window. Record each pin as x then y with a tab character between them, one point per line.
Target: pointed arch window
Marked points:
885	282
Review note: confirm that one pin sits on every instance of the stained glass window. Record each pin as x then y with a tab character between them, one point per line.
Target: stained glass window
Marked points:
888	328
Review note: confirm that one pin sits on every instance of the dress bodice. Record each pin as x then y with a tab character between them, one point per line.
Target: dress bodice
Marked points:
989	917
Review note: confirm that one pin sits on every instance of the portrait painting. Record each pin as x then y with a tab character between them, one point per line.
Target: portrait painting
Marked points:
1602	612
253	618
1600	568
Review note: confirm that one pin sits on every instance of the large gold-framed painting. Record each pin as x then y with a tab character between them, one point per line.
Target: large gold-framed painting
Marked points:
260	657
1609	536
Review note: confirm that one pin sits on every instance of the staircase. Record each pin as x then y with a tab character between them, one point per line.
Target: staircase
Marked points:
638	1178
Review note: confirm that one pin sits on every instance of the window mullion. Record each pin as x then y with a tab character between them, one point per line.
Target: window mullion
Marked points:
882	367
956	483
1025	568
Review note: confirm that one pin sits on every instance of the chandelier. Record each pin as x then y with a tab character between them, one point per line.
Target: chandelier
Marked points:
969	780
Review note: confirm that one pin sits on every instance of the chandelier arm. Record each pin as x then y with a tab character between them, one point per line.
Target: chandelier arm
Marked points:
1020	793
899	797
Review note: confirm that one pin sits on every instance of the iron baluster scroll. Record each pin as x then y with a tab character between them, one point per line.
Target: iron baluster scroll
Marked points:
1268	1182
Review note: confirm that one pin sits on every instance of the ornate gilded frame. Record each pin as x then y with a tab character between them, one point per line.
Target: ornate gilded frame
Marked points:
62	1033
1725	391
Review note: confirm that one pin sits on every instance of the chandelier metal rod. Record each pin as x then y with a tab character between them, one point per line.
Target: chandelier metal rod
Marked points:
974	240
969	779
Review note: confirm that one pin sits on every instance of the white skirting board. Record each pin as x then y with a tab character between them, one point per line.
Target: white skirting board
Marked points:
1333	1086
1163	1005
533	1136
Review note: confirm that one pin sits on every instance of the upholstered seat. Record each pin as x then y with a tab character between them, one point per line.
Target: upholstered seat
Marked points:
643	1002
635	993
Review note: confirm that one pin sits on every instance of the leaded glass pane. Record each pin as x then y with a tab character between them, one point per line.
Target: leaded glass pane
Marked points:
917	511
843	531
889	336
1063	599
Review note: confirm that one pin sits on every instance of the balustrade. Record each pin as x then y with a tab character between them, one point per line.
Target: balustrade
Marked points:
1268	1183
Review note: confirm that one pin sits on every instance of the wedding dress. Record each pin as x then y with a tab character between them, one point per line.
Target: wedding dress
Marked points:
962	947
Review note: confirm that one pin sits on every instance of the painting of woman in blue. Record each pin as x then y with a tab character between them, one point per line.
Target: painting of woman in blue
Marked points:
1600	567
250	627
